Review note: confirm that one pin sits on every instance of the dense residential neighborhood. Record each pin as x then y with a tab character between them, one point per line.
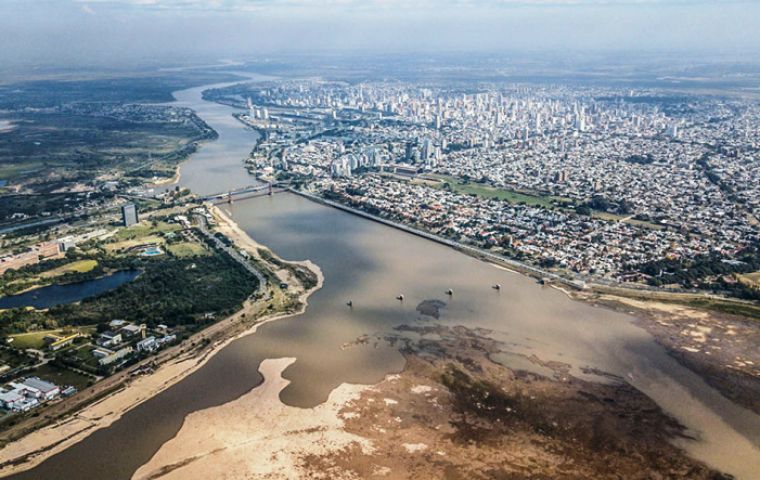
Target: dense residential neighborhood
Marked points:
592	182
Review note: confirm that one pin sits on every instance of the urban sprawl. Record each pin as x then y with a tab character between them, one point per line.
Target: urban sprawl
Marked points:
590	182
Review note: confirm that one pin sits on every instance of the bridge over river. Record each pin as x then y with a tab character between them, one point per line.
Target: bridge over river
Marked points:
249	191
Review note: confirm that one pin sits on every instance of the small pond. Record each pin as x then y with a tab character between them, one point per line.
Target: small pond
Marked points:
52	295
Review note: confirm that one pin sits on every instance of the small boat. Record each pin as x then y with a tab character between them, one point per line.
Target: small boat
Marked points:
449	292
496	286
350	303
400	297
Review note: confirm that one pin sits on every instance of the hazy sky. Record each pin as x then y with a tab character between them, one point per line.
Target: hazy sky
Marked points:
60	31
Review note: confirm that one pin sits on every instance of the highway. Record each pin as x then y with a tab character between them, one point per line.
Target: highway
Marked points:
59	218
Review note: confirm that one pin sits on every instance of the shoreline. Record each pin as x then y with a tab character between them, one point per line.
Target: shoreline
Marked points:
643	294
250	435
469	250
171	180
38	445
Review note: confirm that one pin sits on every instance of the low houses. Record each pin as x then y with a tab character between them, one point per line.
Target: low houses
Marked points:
132	330
117	324
109	339
111	357
42	390
68	391
66	243
183	220
149	344
28	393
14	401
101	352
56	342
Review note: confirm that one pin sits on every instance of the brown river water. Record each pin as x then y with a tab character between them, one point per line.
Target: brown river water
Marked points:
371	264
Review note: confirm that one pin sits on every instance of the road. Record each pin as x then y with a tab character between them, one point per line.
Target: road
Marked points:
100	209
445	241
231	251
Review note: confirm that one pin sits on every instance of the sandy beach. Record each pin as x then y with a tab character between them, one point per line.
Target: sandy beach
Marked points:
168	181
257	436
35	447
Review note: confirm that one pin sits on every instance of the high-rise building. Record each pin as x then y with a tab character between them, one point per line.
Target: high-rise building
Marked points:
426	149
580	122
409	153
129	214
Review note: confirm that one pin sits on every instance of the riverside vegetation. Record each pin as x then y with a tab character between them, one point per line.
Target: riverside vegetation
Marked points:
189	285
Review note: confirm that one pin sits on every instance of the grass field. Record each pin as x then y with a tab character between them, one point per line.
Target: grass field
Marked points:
142	233
10	170
515	197
113	247
79	266
47	277
726	305
612	217
751	279
187	249
144	229
62	376
485	191
35	339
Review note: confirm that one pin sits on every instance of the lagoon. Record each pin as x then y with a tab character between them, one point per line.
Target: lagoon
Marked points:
52	295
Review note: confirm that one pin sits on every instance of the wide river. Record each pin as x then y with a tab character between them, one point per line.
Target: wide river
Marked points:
370	264
218	165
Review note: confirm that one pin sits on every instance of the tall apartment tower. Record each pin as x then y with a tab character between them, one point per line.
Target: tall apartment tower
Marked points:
129	214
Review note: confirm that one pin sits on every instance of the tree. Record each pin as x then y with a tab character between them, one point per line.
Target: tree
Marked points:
584	210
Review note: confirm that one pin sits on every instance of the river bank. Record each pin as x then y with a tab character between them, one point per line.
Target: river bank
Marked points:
214	165
706	300
452	412
719	347
108	400
256	435
174	179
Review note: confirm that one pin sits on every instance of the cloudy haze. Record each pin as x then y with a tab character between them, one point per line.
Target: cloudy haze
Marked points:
66	31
